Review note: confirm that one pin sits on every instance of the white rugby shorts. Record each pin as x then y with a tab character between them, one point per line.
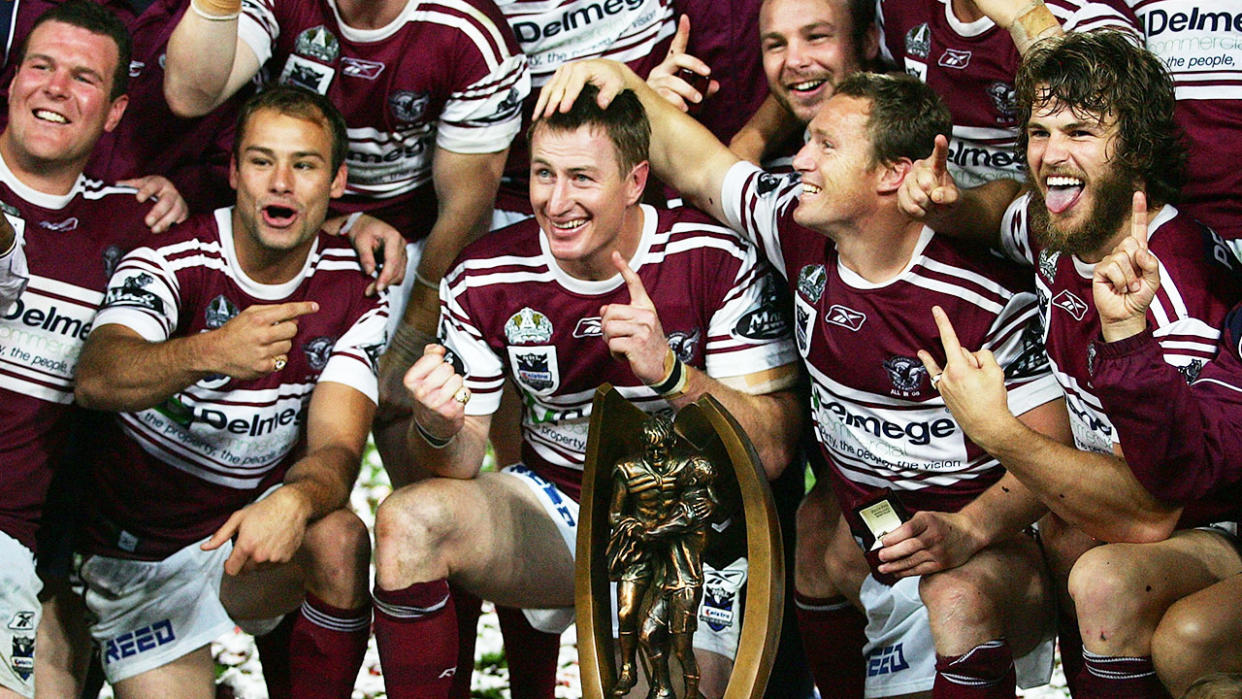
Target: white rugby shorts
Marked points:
19	615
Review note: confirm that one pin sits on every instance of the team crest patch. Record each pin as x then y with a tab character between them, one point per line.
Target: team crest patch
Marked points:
318	43
1033	358
408	106
505	109
22	660
536	368
10	210
811	282
918	41
306	74
1003	98
763	321
1191	371
845	317
721	598
528	327
685	345
219	311
111	257
1071	304
22	621
804	320
1048	264
132	292
906	373
318	350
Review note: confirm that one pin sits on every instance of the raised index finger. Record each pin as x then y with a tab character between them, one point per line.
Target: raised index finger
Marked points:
940	156
682	38
1138	219
638	292
948	336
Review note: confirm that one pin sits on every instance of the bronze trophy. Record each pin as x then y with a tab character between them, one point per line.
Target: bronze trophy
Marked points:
653	494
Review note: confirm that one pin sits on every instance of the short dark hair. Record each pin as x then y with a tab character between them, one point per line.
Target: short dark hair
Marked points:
97	19
624	122
1101	74
862	18
906	115
300	103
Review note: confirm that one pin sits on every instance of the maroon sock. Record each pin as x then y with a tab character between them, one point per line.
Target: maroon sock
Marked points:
469	607
833	636
984	672
1069	645
326	647
416	630
532	656
1120	677
274	656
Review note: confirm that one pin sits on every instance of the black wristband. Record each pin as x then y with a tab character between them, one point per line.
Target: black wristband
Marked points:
675	381
431	439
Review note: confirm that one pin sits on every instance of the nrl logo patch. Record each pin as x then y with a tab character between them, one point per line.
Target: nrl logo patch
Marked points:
804	318
408	106
318	350
219	311
811	282
23	656
1003	98
317	43
685	345
536	368
918	41
528	327
720	598
906	373
1048	264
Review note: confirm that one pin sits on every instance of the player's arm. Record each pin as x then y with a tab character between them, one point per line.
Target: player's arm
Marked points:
769	126
935	541
120	370
1095	492
13	271
271	530
443	438
929	194
764	402
379	247
206	61
683	153
1027	22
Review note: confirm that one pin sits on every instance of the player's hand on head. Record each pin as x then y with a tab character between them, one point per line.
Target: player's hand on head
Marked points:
633	331
257	341
928	192
1126	281
928	542
438	392
972	384
559	93
669	79
168	206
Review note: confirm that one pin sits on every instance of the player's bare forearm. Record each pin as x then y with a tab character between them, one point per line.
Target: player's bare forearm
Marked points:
206	63
119	370
767	409
768	127
462	457
338	420
1003	510
1094	492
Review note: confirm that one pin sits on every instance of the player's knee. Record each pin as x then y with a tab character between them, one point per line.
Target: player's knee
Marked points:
339	548
1185	636
961	595
1109	581
410	526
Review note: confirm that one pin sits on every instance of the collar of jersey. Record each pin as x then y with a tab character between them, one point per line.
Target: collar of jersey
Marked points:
967	30
55	202
1087	270
265	292
855	280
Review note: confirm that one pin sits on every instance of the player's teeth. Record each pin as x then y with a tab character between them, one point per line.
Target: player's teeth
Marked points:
810	189
45	115
808	85
1059	181
571	224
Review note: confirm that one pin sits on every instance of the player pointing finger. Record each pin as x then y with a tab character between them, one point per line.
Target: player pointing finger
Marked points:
633	330
1125	282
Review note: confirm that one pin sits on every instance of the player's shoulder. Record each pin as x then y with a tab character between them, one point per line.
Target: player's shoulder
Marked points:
963	259
1189	250
519	239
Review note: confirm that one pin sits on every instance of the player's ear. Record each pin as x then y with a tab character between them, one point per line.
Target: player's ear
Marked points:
338	181
636	182
891	175
115	111
233	170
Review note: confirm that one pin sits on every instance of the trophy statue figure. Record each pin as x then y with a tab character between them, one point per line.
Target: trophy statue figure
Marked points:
661	505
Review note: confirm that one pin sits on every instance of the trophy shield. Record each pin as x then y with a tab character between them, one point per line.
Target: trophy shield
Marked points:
707	441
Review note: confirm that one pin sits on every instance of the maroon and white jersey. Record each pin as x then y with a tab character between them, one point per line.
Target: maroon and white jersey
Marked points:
72	243
554	32
150	140
1197	289
509	310
1200	44
875	415
971	65
14	273
170	475
441	75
